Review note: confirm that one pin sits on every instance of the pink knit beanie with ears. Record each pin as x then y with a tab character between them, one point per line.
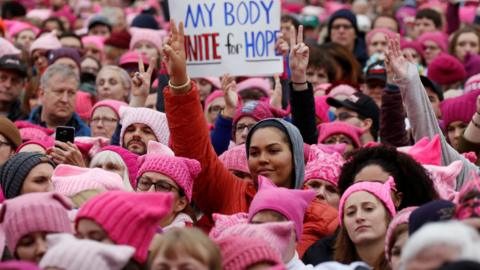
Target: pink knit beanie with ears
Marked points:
258	110
154	147
47	42
326	130
399	219
445	178
222	222
382	191
235	158
110	103
130	160
155	120
460	108
255	83
290	203
34	212
324	166
143	34
322	108
129	218
214	95
182	170
426	151
438	37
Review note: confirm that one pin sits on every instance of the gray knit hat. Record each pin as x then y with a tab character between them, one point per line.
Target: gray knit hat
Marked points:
16	169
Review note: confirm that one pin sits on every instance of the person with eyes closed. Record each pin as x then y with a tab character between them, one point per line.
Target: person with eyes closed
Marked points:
365	211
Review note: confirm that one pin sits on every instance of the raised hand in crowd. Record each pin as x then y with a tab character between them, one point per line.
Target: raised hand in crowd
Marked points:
173	55
276	97
141	82
229	88
299	53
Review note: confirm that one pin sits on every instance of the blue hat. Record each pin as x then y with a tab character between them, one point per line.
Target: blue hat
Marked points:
438	210
145	21
343	14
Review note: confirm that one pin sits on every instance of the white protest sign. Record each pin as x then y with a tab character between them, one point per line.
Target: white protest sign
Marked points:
229	36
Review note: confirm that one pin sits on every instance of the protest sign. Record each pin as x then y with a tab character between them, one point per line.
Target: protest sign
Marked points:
229	36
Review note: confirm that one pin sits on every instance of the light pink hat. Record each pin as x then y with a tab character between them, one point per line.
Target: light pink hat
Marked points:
46	42
222	222
326	130
291	203
235	158
111	103
445	178
69	180
97	41
323	166
342	90
46	144
154	147
426	151
19	26
255	83
399	219
34	212
7	48
389	34
41	14
473	83
214	95
214	81
156	120
380	190
65	251
182	170
142	34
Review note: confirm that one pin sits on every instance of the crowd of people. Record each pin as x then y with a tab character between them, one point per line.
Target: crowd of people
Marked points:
362	154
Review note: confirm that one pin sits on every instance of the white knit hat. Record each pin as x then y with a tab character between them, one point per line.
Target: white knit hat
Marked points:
67	252
156	120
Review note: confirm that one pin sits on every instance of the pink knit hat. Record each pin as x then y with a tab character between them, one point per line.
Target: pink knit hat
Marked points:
7	48
404	44
326	130
132	57
322	87
426	151
235	158
290	203
110	103
46	42
214	95
255	83
18	265
19	26
388	34
322	108
380	190
34	212
214	81
222	222
446	69
33	132
67	252
154	147
436	36
399	219
258	110
83	105
97	41
129	218
473	83
130	160
69	180
142	34
239	252
323	166
277	234
472	64
182	170
341	90
445	178
156	120
461	108
46	144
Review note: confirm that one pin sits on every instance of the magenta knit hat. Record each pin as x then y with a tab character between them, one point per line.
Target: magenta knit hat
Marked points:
323	166
326	130
445	178
235	158
399	219
18	265
143	34
258	110
255	83
110	103
460	108
46	42
381	191
131	57
34	212
130	160
389	34
446	69
156	120
322	108
214	95
239	252
154	147
182	170
438	37
222	222
97	41
69	180
291	203
426	151
67	252
47	143
129	218
473	83
472	64
29	131
404	44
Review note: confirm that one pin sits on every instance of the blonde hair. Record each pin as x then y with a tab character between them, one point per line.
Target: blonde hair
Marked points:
112	157
191	241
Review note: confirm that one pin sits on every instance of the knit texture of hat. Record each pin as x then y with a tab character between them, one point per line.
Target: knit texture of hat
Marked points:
473	83
183	171
290	203
399	219
258	110
34	212
155	37
29	131
129	218
468	205
438	37
69	180
381	191
15	170
222	222
130	160
446	69
115	105
472	64
155	120
343	14
240	253
67	252
444	178
255	83
46	42
10	131
427	151
461	108
235	158
323	166
18	265
326	130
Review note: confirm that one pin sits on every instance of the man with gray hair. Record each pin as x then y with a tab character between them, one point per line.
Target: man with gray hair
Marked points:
57	95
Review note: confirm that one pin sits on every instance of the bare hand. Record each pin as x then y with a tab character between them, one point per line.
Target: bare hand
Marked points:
281	46
66	153
142	79
173	54
276	97
299	53
229	87
395	62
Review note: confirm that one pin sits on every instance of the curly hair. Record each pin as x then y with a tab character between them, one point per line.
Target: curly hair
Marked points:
410	177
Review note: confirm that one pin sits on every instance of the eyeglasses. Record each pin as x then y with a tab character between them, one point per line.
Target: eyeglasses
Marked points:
215	108
105	120
241	127
5	144
145	184
346	115
344	26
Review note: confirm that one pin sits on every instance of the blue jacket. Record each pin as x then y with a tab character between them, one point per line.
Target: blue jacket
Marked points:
81	129
221	134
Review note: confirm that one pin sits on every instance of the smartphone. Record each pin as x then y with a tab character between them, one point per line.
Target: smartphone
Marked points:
65	134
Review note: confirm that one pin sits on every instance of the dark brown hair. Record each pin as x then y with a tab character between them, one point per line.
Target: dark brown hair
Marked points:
456	35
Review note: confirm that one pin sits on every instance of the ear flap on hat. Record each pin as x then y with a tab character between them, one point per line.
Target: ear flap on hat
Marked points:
123	112
194	167
69	170
141	160
159	149
64	201
264	183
